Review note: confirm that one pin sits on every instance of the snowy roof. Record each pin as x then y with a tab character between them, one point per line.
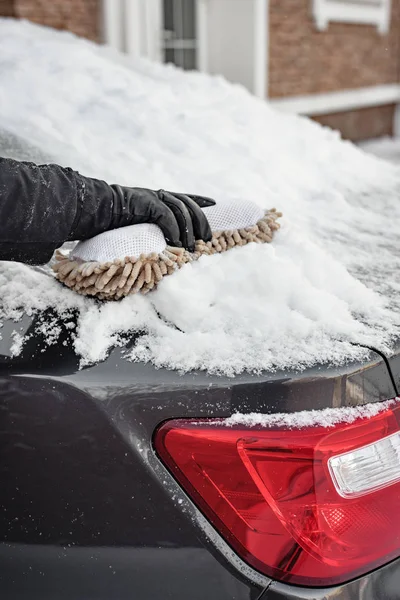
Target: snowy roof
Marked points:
330	278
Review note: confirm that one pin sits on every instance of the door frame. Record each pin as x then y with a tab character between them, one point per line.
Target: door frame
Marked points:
135	27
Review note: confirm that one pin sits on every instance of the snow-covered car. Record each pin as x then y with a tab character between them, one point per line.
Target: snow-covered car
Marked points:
236	433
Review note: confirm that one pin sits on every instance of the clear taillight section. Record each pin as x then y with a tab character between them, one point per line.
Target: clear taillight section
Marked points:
366	469
311	506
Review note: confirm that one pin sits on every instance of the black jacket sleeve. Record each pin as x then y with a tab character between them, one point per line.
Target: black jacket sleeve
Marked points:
41	208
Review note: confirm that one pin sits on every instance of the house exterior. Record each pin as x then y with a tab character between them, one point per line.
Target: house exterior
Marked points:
79	16
337	61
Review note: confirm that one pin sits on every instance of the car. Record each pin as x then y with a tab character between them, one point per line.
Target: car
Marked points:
121	480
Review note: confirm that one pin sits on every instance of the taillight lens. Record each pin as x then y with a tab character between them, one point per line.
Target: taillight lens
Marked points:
311	506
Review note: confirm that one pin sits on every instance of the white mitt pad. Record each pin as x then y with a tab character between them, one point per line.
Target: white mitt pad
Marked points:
135	240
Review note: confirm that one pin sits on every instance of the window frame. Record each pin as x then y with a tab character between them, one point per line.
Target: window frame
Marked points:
352	11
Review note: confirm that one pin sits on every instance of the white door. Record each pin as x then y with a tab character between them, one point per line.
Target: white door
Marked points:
236	33
222	37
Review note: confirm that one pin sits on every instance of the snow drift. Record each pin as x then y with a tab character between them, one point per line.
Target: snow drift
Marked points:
331	276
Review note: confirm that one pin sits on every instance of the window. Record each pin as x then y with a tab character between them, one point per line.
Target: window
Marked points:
179	33
369	12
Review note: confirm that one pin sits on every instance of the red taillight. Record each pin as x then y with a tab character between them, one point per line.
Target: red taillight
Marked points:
312	506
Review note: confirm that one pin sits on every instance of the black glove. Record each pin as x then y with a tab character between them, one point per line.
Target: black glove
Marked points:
179	216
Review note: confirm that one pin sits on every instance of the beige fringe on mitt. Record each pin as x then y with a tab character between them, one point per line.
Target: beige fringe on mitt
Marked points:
121	277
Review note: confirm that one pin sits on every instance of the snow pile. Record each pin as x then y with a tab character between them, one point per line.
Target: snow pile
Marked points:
332	275
385	147
328	417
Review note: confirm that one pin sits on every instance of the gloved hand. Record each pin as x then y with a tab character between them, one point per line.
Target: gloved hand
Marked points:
179	216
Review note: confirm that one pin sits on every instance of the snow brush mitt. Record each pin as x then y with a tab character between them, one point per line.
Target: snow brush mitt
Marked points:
135	259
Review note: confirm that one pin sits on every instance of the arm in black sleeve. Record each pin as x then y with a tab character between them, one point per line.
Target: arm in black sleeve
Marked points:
41	207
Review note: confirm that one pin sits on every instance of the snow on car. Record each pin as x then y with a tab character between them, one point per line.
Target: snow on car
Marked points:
325	288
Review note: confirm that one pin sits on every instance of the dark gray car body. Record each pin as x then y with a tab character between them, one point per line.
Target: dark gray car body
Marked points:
87	510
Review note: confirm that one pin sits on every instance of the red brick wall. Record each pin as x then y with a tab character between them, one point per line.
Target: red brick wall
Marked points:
7	8
361	124
303	60
79	16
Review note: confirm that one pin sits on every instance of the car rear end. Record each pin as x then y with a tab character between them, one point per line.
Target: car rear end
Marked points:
125	481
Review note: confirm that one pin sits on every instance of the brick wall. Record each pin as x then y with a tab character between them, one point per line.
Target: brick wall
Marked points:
361	124
303	60
7	8
79	16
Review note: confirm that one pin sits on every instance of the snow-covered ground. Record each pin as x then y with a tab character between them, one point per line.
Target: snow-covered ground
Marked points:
332	274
